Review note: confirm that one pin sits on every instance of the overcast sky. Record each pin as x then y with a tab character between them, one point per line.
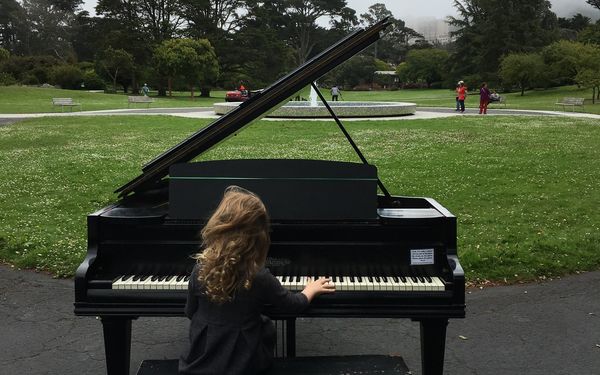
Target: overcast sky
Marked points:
411	9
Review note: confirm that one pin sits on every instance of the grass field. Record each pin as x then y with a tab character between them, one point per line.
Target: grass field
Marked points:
19	99
22	99
525	190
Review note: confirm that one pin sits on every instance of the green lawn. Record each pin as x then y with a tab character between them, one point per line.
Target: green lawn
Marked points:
22	99
536	99
525	190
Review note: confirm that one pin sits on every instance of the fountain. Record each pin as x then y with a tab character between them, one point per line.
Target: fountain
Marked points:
314	109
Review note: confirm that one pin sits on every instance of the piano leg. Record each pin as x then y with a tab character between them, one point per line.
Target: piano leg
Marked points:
117	344
290	331
433	345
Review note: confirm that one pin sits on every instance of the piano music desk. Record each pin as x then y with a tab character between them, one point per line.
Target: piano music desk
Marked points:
356	364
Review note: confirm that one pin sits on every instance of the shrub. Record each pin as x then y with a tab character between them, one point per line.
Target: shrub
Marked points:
93	81
67	76
6	79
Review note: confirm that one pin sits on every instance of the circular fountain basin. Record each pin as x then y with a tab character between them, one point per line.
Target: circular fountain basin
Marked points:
341	109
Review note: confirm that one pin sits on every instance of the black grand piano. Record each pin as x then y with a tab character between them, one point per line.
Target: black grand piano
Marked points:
390	256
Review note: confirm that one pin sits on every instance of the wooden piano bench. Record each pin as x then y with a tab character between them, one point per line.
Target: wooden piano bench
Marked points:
350	365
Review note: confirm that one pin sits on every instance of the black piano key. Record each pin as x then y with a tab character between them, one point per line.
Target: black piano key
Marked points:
341	279
154	278
359	278
169	278
180	277
395	278
377	279
144	278
384	279
186	278
162	278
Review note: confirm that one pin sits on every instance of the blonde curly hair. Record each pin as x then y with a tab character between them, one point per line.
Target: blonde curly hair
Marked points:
235	241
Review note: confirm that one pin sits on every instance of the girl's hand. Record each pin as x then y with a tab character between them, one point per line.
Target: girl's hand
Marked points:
317	287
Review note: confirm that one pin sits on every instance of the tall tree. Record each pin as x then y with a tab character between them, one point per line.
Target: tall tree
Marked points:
486	30
594	3
48	27
157	20
11	14
303	16
219	21
394	44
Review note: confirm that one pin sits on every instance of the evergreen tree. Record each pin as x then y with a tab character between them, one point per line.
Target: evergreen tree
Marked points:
490	29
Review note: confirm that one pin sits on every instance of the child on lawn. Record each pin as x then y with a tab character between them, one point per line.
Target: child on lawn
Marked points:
228	288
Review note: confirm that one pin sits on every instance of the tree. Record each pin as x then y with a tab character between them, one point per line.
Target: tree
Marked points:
577	23
588	69
594	3
192	59
48	27
303	16
521	69
427	65
158	20
4	54
393	46
562	60
590	34
486	30
11	15
115	63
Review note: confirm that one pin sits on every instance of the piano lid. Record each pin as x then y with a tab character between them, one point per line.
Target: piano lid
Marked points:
253	108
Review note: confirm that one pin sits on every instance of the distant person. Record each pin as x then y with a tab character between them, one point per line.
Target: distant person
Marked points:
145	89
494	96
462	95
335	92
229	287
484	98
243	90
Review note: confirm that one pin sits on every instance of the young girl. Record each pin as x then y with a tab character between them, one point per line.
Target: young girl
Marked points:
229	287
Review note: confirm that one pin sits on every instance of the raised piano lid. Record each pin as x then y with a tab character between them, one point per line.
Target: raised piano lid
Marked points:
291	189
253	108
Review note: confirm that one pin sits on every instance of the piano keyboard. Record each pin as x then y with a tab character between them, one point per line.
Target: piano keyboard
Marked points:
297	283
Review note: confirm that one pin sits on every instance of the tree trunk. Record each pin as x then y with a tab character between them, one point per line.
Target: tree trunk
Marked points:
115	80
169	84
205	92
522	90
593	95
192	92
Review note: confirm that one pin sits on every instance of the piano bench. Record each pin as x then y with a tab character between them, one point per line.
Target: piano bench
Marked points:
356	364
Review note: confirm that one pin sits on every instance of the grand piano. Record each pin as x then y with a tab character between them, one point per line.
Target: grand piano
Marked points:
390	256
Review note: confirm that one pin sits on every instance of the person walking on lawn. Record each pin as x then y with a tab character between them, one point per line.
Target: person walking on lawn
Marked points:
484	98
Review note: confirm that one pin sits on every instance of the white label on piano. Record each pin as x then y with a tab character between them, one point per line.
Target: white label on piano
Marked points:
421	256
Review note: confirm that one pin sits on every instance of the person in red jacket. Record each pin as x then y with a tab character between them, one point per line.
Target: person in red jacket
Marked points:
484	98
461	92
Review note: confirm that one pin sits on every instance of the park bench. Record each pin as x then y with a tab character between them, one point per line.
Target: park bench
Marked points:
65	102
358	364
500	101
573	102
139	99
